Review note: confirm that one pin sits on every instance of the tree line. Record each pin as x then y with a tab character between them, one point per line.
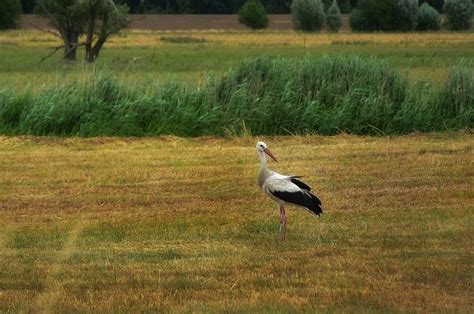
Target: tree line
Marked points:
216	6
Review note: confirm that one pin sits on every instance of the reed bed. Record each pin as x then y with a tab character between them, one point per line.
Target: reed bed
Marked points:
262	96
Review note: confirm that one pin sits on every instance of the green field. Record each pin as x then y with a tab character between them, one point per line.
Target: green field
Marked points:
147	56
169	224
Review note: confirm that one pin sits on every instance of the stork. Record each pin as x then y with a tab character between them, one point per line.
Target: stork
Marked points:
285	189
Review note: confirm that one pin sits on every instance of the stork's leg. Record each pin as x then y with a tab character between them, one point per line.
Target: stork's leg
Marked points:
282	222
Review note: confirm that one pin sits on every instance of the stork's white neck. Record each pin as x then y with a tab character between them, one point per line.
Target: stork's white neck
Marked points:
263	172
263	159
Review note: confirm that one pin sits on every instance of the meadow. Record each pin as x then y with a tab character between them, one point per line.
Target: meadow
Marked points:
144	56
173	224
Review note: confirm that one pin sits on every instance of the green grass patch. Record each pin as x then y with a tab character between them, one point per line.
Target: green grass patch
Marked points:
262	96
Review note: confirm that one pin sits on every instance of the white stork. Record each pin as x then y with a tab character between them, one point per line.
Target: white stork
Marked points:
285	189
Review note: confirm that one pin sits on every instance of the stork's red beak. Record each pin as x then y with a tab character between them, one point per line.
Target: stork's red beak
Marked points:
269	153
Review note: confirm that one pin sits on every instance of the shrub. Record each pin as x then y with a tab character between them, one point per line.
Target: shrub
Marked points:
385	15
405	16
10	11
358	20
373	15
428	18
333	18
459	14
436	4
345	6
253	15
308	15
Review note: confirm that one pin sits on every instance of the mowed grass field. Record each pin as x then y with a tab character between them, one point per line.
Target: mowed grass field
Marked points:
191	55
172	224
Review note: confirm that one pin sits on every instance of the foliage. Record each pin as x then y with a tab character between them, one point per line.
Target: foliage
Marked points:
201	7
333	17
97	20
459	14
308	15
406	15
457	98
428	18
270	96
253	15
372	15
345	6
10	11
436	4
385	15
359	21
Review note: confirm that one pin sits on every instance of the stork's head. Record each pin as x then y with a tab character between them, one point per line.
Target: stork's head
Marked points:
263	149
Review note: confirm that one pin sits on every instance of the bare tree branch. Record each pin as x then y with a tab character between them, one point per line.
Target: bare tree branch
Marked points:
51	53
35	26
56	23
55	49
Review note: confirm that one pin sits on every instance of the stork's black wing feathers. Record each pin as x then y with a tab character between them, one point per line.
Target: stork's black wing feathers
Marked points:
301	198
304	186
300	184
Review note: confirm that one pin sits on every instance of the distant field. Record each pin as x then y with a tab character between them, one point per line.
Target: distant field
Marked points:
190	55
168	224
173	22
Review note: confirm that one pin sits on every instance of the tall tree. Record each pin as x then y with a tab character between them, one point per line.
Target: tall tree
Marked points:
104	18
97	19
10	11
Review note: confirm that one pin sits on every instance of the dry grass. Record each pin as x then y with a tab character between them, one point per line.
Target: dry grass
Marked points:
179	224
143	38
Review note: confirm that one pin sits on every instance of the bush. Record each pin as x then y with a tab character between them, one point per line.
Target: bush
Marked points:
373	15
308	15
385	15
333	18
10	11
345	6
428	18
253	15
459	14
436	4
405	16
359	21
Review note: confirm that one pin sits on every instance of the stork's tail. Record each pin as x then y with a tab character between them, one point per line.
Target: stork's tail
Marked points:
313	204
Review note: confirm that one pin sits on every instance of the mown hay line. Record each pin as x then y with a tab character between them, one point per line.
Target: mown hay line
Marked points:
53	288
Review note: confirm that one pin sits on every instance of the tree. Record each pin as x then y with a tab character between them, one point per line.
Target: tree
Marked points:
405	16
253	15
28	6
437	4
428	18
112	18
359	20
345	6
308	15
333	17
373	15
459	14
97	19
385	15
10	11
